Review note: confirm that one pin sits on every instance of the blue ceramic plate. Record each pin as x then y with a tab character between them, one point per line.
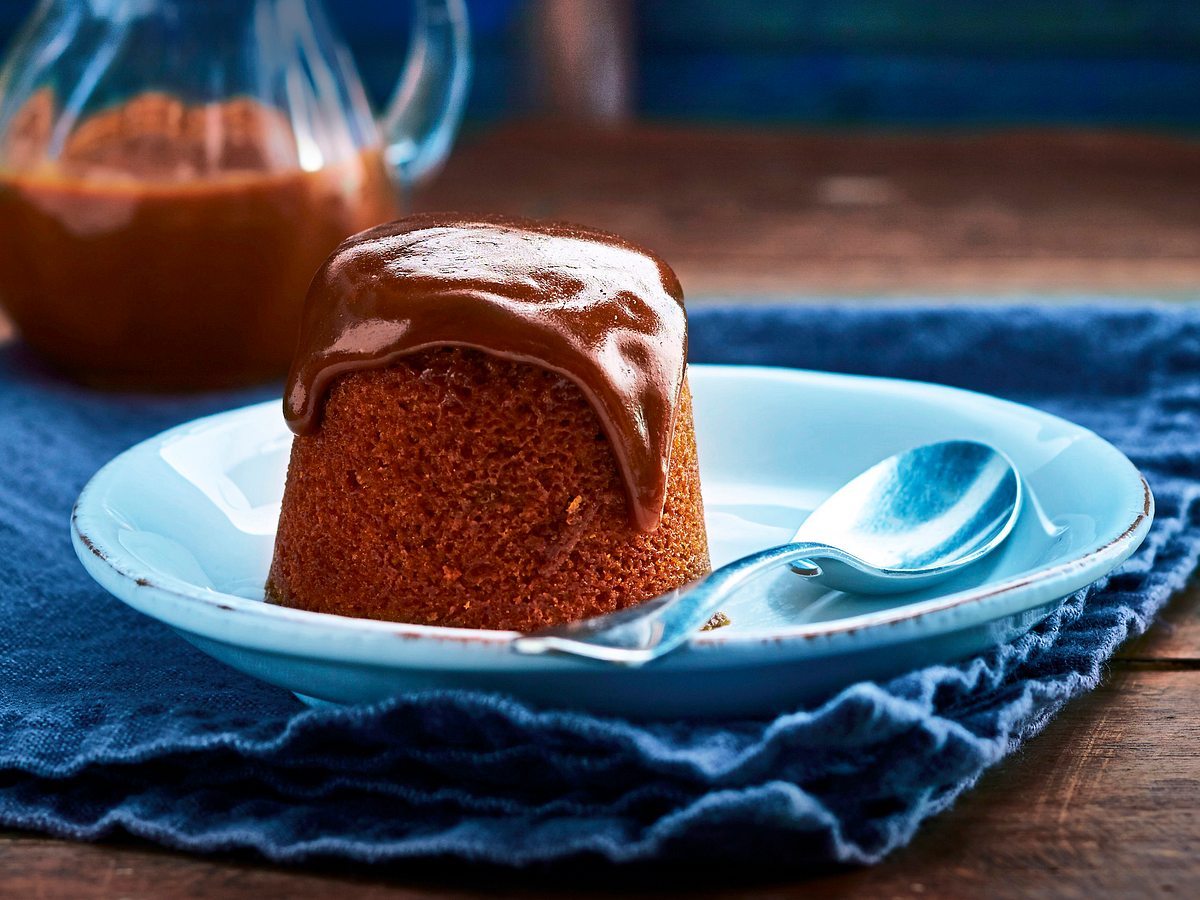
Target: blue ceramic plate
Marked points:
181	526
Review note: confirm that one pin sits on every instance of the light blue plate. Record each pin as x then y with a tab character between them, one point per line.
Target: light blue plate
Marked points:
181	526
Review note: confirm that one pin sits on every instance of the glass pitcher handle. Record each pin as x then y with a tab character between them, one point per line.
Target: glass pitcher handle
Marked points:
420	121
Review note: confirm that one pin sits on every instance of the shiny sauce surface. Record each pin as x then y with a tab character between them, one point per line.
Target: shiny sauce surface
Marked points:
586	304
169	245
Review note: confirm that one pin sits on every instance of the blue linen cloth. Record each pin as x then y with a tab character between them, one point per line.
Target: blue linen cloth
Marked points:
110	723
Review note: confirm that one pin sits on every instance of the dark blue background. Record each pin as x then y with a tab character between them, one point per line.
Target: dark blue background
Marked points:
847	62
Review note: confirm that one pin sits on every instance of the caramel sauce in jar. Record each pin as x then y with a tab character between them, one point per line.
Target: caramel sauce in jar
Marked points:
169	246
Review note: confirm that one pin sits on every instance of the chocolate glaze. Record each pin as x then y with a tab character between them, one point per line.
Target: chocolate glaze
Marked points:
584	303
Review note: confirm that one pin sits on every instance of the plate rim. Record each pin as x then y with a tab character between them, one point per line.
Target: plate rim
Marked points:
103	561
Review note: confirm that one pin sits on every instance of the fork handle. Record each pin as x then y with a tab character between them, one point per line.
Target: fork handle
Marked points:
652	629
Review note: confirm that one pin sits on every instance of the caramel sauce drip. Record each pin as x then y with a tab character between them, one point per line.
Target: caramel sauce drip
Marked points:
583	303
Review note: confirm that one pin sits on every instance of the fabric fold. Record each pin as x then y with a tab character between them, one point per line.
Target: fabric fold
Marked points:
109	723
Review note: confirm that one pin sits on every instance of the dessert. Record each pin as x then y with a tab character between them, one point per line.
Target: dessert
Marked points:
493	429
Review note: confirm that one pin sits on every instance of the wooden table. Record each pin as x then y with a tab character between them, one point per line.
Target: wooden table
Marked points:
1106	801
765	215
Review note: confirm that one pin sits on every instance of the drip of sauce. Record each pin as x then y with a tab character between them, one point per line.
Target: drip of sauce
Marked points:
583	303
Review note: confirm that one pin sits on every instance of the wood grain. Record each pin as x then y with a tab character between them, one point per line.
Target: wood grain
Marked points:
740	213
1174	639
1102	804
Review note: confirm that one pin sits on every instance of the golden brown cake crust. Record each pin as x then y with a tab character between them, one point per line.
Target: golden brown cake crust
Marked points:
585	303
457	488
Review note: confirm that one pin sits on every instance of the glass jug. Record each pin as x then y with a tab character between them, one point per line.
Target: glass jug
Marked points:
172	172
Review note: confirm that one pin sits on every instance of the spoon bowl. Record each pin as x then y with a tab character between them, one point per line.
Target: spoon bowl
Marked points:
913	518
908	521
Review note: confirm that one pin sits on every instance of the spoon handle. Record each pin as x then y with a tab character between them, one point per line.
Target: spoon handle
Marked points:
649	630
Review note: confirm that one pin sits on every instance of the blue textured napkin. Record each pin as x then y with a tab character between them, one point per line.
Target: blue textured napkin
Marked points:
109	722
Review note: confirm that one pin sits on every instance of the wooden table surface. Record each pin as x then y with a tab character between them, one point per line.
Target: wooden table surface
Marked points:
1106	801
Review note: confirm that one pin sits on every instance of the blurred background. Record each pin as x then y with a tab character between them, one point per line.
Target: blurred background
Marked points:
822	63
815	63
949	149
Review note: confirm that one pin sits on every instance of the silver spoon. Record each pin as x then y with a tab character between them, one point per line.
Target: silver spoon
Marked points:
915	518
